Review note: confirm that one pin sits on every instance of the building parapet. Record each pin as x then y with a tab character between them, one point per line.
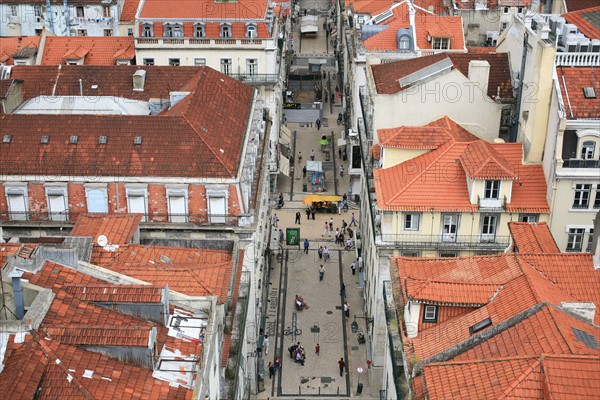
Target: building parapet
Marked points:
577	60
444	242
186	43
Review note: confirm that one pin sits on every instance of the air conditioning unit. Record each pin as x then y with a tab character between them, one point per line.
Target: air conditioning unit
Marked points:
595	46
583	46
568	29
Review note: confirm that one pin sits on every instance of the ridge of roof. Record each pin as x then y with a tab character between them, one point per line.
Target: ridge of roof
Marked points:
590	27
481	160
525	374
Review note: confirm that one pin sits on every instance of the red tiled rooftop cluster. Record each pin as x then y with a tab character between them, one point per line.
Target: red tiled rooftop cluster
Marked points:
96	50
532	238
572	81
118	228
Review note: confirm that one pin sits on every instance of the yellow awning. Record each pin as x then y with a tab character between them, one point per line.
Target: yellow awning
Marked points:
321	197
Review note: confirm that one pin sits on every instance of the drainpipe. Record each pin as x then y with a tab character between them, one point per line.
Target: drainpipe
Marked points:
18	293
515	122
49	15
66	15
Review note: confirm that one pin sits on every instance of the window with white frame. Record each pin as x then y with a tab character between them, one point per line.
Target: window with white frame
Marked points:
251	31
519	10
106	11
200	62
37	10
137	200
597	199
147	30
404	43
411	221
530	218
81	32
97	198
226	65
225	30
17	201
174	62
108	32
588	150
503	25
80	12
148	61
411	254
217	208
575	239
129	31
440	43
590	241
505	10
492	190
14	10
57	199
199	31
448	254
489	223
430	313
582	195
177	203
251	66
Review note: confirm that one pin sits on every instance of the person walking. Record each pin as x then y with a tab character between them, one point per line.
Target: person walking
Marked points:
343	291
321	272
276	365
353	267
347	309
312	155
306	244
271	370
342	365
341	171
337	235
266	343
331	225
320	252
325	254
299	157
318	349
275	220
304	172
313	211
318	123
308	213
298	216
326	230
281	236
352	220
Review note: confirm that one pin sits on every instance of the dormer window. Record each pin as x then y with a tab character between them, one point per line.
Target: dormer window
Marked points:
492	190
199	31
588	150
404	43
147	30
173	30
440	43
251	31
225	30
430	314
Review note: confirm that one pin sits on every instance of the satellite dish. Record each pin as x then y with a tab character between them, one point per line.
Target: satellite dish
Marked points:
102	240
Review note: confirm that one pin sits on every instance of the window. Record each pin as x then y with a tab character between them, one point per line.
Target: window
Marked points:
449	227
411	222
492	190
129	31
81	32
530	218
440	43
174	62
503	25
199	31
505	10
597	199
106	11
56	196
588	150
200	62
177	203
147	30
404	43
173	30
590	243
488	228
97	198
582	195
80	12
251	66
37	10
38	32
148	61
519	10
225	31
448	254
217	209
18	205
14	11
575	239
430	314
411	254
251	31
226	65
137	200
108	32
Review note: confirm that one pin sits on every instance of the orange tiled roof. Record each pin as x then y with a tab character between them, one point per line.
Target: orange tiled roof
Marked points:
461	294
541	377
118	228
532	238
470	4
55	276
99	50
204	9
370	7
576	5
101	336
481	161
194	272
575	79
9	46
7	249
108	293
387	75
129	10
586	20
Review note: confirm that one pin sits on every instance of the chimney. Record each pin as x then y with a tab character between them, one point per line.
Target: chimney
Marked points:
479	72
585	310
15	276
139	79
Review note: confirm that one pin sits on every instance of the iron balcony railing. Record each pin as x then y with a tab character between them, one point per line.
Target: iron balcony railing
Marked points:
445	241
256	79
491	204
28	217
574	163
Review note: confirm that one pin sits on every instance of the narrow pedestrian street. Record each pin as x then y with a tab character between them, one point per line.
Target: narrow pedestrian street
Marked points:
323	321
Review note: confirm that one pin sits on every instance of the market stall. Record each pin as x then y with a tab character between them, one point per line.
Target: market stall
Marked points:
323	203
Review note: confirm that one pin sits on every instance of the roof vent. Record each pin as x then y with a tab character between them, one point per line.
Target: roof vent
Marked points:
103	139
480	326
139	79
589	93
45	139
74	139
588	340
6	139
165	259
137	140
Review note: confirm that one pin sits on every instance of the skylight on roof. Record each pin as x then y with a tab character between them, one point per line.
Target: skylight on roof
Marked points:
589	93
45	139
480	326
103	139
137	140
74	139
6	139
383	16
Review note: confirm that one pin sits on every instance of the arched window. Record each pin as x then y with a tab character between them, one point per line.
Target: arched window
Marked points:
168	30
588	150
173	30
225	30
147	30
251	31
404	43
199	31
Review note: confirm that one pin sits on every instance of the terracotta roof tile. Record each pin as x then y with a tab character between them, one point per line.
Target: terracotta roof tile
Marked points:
97	50
481	161
54	276
575	80
457	293
369	7
24	366
203	9
375	152
10	46
100	336
576	5
129	10
387	75
118	228
587	21
532	238
116	293
7	249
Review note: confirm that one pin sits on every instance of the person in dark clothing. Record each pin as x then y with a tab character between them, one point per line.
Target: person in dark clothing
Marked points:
306	244
298	216
342	365
271	370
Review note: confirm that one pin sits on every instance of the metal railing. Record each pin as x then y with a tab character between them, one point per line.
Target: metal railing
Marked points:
256	79
445	241
574	163
184	42
491	204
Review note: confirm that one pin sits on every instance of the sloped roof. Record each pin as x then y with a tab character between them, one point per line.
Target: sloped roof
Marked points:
416	184
387	75
204	9
587	21
129	10
457	293
470	4
11	46
369	7
7	249
206	131
116	293
118	228
532	238
194	272
576	5
575	80
97	50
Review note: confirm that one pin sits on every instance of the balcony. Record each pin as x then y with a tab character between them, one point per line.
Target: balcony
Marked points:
491	204
575	163
445	242
256	79
195	43
577	60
